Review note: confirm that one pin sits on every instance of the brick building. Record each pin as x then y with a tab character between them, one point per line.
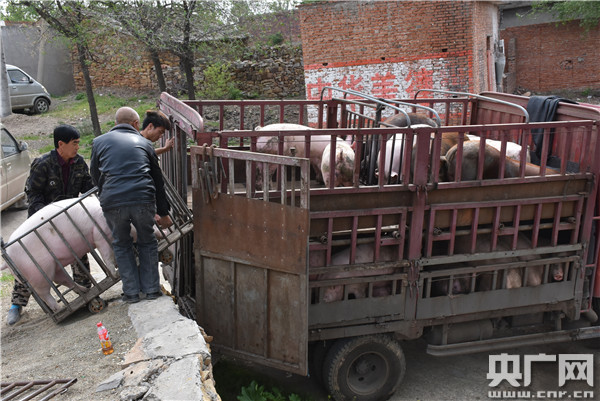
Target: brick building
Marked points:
544	56
393	48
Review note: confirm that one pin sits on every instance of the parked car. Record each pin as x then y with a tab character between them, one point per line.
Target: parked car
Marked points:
14	170
26	92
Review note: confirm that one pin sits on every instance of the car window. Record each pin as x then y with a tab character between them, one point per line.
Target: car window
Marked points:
9	144
17	76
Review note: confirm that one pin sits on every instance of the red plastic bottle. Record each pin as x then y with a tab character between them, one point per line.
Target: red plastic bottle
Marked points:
107	347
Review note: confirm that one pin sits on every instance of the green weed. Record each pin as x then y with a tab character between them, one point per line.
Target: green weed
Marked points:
232	383
6	280
256	392
104	104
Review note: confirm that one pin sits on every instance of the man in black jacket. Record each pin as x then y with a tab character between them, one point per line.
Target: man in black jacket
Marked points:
56	175
125	167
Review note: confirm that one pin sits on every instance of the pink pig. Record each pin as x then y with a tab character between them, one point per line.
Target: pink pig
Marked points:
364	254
343	166
292	146
68	224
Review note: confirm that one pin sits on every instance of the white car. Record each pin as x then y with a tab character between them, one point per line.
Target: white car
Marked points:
25	92
14	170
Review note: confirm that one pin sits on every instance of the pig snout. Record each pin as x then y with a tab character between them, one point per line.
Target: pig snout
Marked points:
448	286
336	293
557	272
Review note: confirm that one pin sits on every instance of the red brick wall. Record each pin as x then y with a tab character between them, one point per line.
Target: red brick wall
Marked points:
552	57
395	47
484	30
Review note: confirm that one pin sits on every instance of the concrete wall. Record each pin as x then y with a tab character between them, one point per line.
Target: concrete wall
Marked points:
40	54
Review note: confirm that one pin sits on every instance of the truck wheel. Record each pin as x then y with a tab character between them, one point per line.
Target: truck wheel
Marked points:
364	368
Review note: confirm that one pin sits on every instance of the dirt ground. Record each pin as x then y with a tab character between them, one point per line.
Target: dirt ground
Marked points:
36	348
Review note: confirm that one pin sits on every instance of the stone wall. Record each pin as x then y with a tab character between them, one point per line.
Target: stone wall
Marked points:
267	72
276	74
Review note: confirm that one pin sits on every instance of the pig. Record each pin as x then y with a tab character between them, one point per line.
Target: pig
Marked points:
393	154
461	284
449	139
92	234
514	276
364	254
292	146
491	164
399	120
343	167
417	120
513	150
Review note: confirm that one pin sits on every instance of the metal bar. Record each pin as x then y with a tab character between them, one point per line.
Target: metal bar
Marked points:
514	341
489	99
66	383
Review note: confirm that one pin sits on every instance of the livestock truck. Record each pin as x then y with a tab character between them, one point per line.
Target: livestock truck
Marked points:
291	271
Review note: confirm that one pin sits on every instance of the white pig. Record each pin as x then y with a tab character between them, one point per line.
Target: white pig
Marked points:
364	254
513	150
393	153
292	145
43	255
343	167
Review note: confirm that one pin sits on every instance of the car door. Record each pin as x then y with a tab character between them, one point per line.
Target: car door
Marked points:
14	168
20	89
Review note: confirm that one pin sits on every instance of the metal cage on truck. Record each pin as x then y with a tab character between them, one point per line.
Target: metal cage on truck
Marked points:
428	256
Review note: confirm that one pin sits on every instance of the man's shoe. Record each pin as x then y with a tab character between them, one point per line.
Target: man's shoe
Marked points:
154	295
14	314
131	299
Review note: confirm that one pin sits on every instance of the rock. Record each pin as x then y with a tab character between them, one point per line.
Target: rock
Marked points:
180	381
112	382
131	393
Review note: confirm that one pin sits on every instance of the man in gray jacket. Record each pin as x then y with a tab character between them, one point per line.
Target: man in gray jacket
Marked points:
125	168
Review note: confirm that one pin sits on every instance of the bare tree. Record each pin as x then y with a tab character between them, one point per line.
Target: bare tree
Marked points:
143	20
70	20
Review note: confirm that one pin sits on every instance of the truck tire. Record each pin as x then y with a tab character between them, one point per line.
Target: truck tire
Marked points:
364	368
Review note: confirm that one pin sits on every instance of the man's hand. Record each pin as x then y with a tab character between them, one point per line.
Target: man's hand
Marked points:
163	221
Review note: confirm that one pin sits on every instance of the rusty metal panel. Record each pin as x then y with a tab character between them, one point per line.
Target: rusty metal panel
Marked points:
284	290
251	266
214	297
247	310
549	295
259	233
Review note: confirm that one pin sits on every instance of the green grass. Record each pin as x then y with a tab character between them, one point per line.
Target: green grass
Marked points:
104	104
6	280
79	109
